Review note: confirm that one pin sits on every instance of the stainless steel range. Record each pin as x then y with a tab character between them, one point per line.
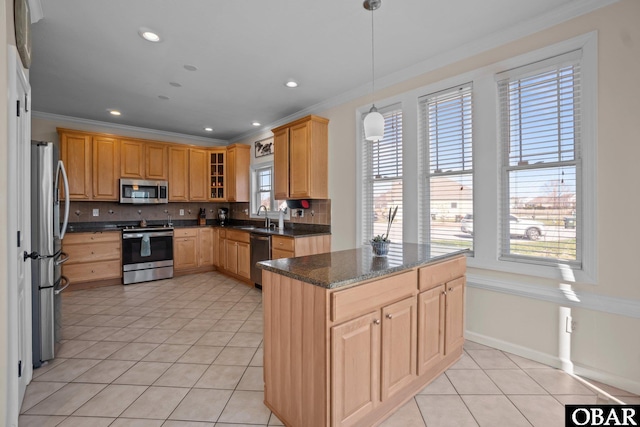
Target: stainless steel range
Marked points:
147	254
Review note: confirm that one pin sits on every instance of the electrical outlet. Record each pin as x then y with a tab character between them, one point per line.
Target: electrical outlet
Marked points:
301	213
294	213
96	212
569	325
181	212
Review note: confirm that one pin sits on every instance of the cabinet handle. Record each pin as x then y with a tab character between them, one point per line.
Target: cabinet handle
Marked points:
444	292
376	321
389	316
450	289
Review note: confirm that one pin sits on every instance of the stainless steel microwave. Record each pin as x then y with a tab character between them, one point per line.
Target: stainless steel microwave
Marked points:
143	191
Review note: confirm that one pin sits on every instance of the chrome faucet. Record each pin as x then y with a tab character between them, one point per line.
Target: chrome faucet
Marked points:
267	221
169	223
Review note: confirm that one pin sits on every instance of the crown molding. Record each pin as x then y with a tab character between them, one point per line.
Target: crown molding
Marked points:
127	128
517	31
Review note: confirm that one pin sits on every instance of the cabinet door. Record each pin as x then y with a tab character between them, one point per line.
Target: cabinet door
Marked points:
156	162
430	328
279	253
106	168
185	252
131	159
231	256
399	337
454	315
299	163
205	245
75	152
231	175
355	369
244	260
198	175
215	245
217	174
281	164
238	157
178	174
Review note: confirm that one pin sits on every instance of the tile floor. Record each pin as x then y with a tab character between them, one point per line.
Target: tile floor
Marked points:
187	352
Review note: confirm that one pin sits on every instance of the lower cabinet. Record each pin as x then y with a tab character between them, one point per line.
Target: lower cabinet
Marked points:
92	256
289	247
380	351
193	248
237	253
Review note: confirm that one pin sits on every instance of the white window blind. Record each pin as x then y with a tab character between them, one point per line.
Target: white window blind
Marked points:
540	114
382	179
263	185
447	165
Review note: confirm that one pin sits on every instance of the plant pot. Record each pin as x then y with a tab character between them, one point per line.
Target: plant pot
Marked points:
380	248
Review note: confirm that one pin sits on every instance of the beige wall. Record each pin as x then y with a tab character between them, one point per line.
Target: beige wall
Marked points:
603	343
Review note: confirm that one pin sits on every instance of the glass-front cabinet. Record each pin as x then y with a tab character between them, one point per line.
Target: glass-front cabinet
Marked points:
218	173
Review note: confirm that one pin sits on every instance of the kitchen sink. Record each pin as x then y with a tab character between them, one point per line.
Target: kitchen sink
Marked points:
248	227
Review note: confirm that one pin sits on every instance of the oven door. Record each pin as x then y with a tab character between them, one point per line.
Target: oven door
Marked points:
160	247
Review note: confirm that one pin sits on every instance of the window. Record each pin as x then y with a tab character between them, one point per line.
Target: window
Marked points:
264	188
382	179
447	165
540	120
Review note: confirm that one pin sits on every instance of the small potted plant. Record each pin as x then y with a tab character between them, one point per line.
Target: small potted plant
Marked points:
380	243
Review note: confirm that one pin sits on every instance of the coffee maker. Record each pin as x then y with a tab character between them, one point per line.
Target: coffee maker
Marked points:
223	216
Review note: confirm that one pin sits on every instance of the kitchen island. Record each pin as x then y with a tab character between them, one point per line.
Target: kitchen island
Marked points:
349	337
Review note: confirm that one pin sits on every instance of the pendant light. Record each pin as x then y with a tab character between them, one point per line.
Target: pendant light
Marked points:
373	122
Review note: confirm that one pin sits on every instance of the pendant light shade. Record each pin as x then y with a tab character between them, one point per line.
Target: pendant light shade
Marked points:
373	125
373	122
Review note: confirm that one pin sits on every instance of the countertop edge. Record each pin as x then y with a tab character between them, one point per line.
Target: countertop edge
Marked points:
361	278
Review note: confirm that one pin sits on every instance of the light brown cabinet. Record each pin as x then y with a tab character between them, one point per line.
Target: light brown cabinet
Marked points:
218	173
218	247
185	249
238	158
198	178
205	246
350	356
237	253
92	256
289	247
178	174
301	159
92	163
143	160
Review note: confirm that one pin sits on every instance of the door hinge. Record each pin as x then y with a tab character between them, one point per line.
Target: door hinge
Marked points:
26	103
18	238
18	108
19	368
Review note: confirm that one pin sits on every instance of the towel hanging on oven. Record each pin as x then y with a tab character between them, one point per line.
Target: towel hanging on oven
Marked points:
145	246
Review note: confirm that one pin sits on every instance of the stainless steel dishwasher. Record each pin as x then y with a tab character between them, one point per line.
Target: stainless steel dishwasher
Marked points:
260	251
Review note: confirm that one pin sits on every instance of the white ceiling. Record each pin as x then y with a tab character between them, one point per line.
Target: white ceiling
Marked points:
88	56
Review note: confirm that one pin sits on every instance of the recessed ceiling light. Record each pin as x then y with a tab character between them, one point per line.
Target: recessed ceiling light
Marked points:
291	84
255	123
149	35
190	67
175	84
115	112
163	97
208	129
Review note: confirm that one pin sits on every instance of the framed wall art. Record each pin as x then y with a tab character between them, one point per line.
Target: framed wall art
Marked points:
264	147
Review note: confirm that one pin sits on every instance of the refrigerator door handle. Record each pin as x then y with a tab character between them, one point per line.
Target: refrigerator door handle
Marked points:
63	260
63	278
65	181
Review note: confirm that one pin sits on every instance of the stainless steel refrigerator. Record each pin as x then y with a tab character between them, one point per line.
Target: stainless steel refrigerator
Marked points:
47	177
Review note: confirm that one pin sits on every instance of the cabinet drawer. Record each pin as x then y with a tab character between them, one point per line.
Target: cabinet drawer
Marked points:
92	271
238	236
283	243
185	232
98	236
436	274
92	252
277	254
372	296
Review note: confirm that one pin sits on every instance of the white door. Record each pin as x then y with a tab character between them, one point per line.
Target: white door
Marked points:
19	214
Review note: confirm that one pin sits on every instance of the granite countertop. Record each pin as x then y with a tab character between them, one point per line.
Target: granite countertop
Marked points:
337	269
92	227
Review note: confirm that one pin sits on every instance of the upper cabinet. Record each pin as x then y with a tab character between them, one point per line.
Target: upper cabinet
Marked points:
96	162
92	163
301	159
178	174
142	160
238	172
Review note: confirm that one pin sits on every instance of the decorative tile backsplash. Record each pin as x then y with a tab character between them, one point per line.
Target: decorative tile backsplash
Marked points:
319	212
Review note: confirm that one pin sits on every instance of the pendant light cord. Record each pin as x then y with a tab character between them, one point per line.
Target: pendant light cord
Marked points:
373	76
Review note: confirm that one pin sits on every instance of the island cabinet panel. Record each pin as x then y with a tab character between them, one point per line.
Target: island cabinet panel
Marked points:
352	355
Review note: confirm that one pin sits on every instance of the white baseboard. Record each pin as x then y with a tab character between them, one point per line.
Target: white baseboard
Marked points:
554	362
